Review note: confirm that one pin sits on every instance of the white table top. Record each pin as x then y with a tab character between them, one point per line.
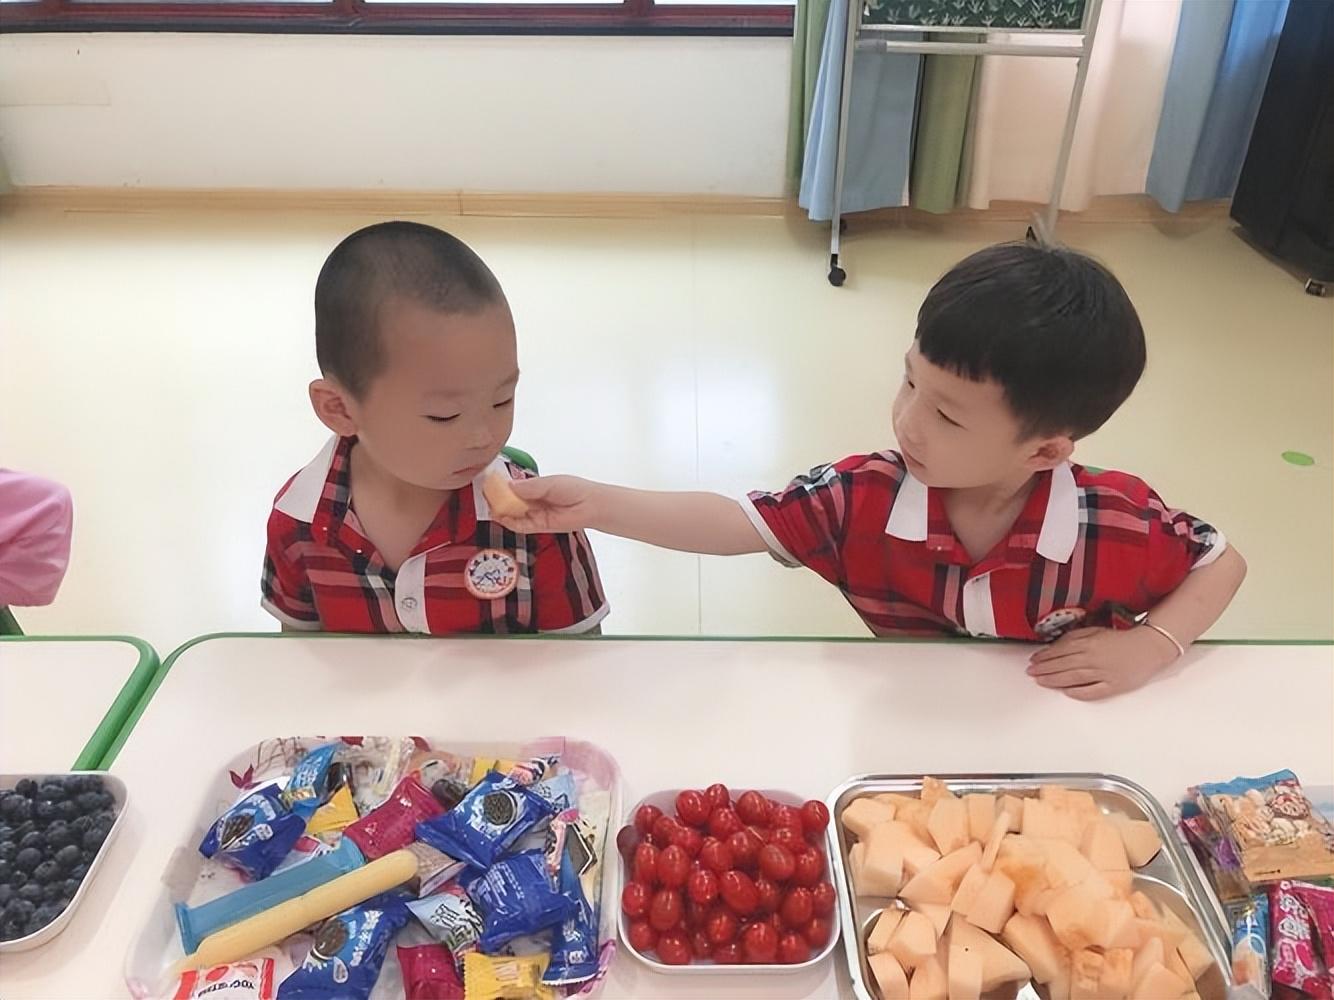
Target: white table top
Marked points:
800	715
53	695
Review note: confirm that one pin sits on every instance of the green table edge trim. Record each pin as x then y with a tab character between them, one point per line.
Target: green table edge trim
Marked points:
166	665
123	709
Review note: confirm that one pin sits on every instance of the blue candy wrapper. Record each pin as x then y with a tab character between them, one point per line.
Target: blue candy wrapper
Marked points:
305	791
492	816
574	950
349	949
254	835
559	790
515	897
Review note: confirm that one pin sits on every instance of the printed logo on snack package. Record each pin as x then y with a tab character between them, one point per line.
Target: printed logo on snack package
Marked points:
490	574
1059	622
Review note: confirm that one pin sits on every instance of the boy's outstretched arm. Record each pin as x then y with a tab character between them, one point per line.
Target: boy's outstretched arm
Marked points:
689	522
1093	663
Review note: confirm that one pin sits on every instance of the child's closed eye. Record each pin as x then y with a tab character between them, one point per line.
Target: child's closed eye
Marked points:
945	417
441	420
502	405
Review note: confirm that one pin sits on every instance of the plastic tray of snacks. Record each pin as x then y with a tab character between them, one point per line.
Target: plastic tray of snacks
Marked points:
666	801
106	784
1170	879
374	766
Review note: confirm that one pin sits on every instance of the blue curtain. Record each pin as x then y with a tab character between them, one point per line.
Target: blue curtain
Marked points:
1214	86
880	126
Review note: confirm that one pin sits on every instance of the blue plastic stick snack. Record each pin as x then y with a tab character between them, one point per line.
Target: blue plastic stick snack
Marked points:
306	790
198	922
254	835
516	898
491	817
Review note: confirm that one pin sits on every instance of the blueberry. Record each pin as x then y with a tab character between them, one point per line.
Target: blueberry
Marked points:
21	909
6	832
80	824
44	811
68	810
28	859
22	830
6	872
92	840
78	871
26	787
51	791
58	834
8	849
7	893
32	893
67	857
46	872
15	808
69	888
89	801
11	930
105	818
33	838
52	890
43	916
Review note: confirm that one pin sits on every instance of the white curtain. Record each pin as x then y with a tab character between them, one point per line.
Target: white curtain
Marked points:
1021	106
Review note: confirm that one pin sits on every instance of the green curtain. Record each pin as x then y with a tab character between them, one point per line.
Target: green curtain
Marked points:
941	147
807	40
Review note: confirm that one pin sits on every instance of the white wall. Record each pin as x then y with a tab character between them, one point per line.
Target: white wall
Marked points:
513	114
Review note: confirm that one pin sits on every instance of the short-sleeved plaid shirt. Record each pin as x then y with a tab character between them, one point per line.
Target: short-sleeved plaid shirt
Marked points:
466	573
1088	547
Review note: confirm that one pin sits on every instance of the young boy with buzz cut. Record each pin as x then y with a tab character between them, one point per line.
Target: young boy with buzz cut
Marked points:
389	529
978	524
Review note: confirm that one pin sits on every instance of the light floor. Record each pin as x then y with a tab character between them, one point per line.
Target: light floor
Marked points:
157	363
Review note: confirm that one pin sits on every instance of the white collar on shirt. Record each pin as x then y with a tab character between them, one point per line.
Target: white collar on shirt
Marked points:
1060	523
302	498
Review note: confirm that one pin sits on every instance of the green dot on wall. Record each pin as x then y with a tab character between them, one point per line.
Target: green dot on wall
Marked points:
1298	458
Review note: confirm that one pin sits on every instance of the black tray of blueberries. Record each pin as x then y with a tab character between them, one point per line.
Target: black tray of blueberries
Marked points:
54	830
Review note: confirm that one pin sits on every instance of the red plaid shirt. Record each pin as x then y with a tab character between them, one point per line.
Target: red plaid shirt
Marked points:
321	572
1088	547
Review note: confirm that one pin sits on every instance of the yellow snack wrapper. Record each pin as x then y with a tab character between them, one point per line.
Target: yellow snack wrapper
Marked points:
482	765
505	977
339	812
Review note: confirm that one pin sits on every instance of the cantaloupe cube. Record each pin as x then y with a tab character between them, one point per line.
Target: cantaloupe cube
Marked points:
884	928
1013	807
1141	840
981	815
913	941
936	884
1159	984
917	854
890	978
994	903
1085	975
1032	940
881	871
1191	949
1177	966
937	913
861	814
969	886
1149	954
1031	886
1040	819
1065	864
929	981
933	790
1122	883
1116	966
965	974
1151	924
889	800
1104	848
1114	925
916	814
1070	913
948	825
999	964
995	837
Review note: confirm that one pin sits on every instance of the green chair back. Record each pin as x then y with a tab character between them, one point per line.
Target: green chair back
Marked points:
520	458
8	624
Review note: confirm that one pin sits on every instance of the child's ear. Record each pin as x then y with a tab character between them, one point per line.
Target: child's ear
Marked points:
1051	452
330	401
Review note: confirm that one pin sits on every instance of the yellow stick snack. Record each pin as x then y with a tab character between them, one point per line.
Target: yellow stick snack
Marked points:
501	497
263	929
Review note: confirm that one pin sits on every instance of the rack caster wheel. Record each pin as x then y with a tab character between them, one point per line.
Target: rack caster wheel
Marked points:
837	276
1313	287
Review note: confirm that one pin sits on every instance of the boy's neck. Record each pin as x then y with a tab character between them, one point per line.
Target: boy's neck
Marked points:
369	475
998	497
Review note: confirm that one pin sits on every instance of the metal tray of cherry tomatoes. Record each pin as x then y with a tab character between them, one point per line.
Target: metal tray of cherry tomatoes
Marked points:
711	885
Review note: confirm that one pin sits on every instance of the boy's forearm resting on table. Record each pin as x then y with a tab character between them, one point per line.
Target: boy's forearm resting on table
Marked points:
1190	610
689	522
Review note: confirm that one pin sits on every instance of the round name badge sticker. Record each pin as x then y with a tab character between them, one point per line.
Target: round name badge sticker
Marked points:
1059	622
490	574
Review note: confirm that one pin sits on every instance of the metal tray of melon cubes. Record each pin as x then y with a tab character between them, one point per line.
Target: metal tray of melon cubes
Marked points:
1172	879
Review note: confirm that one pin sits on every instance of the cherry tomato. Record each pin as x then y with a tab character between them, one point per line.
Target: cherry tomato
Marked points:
724	822
729	954
785	815
759	942
673	867
641	936
793	949
753	807
695	914
702	886
722	926
814	817
769	896
692	808
645	866
809	866
823	899
816	932
716	855
718	796
635	898
662	830
627	840
645	816
790	837
700	945
664	912
776	863
739	892
674	948
745	847
798	907
690	841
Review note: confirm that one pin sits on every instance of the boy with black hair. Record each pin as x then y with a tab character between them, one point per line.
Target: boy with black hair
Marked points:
388	529
979	524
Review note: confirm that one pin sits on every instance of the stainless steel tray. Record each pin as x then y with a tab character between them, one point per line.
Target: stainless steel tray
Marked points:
1173	879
